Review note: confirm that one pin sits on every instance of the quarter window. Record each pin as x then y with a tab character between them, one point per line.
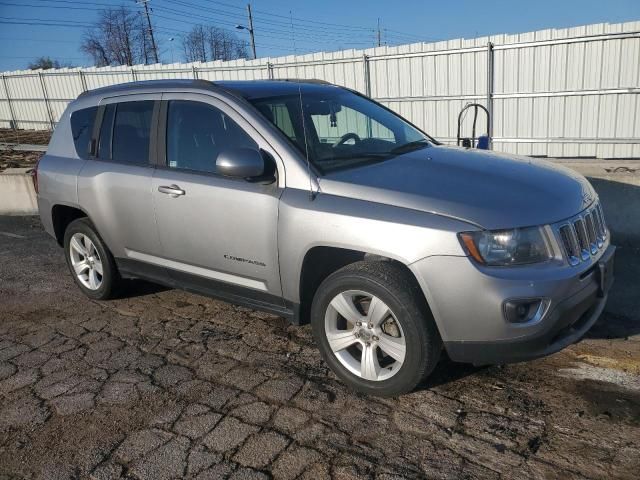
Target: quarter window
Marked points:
81	129
198	132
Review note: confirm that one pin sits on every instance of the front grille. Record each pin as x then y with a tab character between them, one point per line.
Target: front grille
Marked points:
584	235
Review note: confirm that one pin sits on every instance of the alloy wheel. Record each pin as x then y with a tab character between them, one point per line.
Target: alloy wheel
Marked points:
85	261
364	335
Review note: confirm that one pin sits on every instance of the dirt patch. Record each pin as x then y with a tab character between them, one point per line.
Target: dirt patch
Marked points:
34	137
18	159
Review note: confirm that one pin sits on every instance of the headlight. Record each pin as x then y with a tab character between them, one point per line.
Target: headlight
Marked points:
507	247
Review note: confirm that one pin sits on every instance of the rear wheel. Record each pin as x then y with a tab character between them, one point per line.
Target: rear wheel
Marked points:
90	261
374	329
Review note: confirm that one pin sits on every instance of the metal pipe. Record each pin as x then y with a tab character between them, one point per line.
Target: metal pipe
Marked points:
83	81
366	75
12	123
490	70
561	41
46	100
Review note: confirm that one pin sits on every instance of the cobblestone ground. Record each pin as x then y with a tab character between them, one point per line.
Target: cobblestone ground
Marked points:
165	384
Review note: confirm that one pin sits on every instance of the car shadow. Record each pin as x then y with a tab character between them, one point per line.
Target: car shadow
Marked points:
448	371
610	326
136	287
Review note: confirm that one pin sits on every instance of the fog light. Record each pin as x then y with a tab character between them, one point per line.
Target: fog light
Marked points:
524	310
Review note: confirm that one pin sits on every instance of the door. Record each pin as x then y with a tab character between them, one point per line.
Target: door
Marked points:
115	186
216	231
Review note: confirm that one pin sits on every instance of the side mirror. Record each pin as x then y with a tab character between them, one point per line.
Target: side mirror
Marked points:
240	163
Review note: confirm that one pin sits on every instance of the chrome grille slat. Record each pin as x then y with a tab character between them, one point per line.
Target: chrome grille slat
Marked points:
597	223
602	220
591	233
582	238
570	243
584	235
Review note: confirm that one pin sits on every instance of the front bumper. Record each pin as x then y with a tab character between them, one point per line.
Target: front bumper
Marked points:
466	301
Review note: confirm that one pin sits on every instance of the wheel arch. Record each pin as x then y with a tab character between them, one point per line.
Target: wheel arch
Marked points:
61	216
321	261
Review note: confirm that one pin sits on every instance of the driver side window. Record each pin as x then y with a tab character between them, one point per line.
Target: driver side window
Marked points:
347	120
197	132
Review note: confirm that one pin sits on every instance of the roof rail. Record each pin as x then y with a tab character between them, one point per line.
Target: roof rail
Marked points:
303	80
196	82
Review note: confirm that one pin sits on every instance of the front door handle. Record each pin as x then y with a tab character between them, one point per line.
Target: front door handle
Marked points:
173	190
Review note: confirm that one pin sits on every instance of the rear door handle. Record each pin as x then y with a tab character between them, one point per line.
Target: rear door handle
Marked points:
173	190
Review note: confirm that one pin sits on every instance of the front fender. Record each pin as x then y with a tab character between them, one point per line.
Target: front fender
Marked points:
401	234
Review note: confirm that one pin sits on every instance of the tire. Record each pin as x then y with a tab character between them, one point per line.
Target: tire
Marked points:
408	321
100	286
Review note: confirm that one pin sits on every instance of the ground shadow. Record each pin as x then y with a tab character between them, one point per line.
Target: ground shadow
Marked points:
610	326
136	287
448	371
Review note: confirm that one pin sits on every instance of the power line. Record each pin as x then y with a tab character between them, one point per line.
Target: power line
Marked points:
228	23
282	24
307	30
45	6
42	24
268	33
327	26
291	18
45	40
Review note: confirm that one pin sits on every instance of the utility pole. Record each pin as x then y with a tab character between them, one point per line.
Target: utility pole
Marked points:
153	41
379	34
253	40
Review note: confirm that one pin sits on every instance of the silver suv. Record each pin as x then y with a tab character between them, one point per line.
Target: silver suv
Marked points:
318	204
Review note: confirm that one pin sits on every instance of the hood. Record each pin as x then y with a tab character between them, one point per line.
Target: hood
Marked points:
488	189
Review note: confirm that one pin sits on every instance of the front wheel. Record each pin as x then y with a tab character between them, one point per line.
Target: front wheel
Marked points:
374	328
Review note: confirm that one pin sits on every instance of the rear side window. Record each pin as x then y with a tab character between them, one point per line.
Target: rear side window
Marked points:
81	129
198	132
125	132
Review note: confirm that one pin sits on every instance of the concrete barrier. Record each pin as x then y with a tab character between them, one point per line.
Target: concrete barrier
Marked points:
17	195
618	186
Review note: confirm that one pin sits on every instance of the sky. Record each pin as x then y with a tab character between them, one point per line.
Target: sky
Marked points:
318	25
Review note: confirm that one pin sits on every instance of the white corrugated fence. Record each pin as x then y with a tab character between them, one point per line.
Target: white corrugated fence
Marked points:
561	92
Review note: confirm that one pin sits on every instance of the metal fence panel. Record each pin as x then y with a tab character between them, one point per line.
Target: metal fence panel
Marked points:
569	92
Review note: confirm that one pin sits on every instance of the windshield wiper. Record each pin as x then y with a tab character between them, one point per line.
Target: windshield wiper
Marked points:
411	146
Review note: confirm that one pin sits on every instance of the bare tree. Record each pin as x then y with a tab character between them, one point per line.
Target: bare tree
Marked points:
195	44
46	63
119	37
205	43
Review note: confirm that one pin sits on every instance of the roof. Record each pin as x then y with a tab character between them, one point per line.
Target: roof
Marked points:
145	85
244	88
251	89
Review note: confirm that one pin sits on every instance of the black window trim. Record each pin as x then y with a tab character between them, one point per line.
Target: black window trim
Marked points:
153	133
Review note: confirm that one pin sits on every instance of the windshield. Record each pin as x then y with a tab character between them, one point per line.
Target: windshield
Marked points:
343	130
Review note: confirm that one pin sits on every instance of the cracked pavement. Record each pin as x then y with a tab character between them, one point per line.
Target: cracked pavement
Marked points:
165	384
